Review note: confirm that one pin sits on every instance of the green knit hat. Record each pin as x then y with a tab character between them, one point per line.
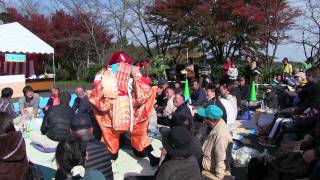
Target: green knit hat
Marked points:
211	112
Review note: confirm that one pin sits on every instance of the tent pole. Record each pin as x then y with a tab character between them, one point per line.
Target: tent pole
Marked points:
54	70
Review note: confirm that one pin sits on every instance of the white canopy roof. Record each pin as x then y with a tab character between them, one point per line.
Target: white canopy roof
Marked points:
16	38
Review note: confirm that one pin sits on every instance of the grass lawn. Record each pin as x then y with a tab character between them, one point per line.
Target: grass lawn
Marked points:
73	83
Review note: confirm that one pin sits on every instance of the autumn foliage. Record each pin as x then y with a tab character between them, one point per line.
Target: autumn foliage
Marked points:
226	27
68	36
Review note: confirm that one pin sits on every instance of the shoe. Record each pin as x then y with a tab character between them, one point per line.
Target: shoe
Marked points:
267	143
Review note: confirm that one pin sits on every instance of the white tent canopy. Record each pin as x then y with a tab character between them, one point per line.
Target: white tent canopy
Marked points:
16	38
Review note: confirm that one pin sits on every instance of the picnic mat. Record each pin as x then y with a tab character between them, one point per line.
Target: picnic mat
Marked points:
125	165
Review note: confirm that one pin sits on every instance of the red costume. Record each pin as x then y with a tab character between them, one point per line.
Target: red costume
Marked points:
122	102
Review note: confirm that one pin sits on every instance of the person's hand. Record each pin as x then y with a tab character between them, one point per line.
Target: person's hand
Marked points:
163	154
309	156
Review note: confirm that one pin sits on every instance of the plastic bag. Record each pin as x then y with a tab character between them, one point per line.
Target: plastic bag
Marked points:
243	155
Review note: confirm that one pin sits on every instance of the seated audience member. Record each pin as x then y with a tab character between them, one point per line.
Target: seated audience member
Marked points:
198	95
306	96
231	113
271	99
177	87
29	102
182	115
245	90
98	157
164	118
300	123
82	105
296	79
296	98
235	91
225	92
305	165
212	99
217	147
285	98
54	98
180	162
5	104
56	124
71	158
13	158
161	98
277	79
308	92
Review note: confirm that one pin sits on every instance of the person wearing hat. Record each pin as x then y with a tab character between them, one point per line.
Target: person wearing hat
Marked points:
217	147
122	102
181	150
98	155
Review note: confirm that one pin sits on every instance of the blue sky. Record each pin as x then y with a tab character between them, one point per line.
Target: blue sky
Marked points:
293	51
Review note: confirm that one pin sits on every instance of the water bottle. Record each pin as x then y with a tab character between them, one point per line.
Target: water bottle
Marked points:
262	102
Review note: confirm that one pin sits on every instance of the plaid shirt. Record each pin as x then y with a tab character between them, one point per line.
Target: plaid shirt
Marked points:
123	75
6	106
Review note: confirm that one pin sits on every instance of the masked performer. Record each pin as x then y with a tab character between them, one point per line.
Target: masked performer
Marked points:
123	102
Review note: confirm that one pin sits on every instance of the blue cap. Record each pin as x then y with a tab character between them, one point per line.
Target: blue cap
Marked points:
211	112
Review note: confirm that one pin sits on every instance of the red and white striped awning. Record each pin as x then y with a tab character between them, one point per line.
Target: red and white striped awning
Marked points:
29	68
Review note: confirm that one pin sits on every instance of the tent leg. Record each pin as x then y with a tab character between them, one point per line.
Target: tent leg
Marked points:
54	70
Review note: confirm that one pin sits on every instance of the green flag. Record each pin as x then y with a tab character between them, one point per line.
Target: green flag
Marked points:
186	92
253	95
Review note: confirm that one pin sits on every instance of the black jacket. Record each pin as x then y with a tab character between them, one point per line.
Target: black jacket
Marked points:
57	121
83	106
98	157
161	100
182	117
178	169
198	97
